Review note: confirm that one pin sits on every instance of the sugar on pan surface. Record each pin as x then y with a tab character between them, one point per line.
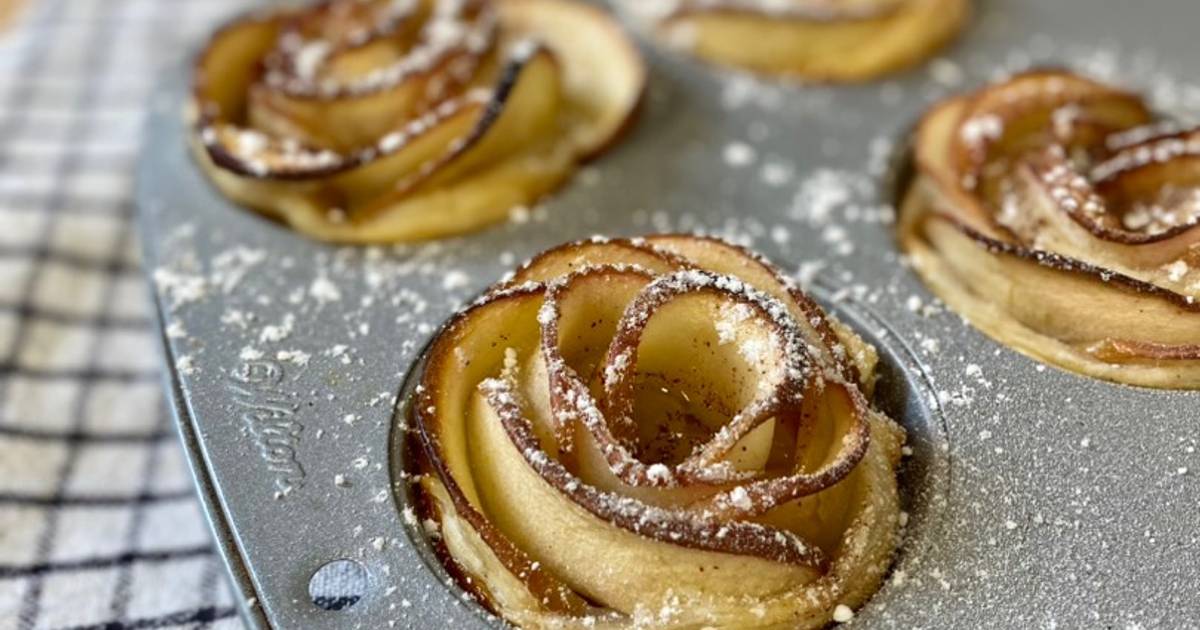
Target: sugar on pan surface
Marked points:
1025	481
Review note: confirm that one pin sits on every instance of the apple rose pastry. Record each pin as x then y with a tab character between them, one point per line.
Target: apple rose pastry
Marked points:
829	40
1060	217
391	120
657	432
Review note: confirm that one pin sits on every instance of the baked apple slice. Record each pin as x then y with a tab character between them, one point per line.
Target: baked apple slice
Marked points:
376	121
1061	218
659	429
826	40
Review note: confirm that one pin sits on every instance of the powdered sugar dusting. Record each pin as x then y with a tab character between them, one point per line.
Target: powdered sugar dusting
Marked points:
1032	470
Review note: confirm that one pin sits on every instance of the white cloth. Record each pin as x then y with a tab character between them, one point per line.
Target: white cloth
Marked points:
98	523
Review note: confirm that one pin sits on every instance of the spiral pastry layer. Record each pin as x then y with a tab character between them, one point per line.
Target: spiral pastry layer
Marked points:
1061	217
393	120
826	40
658	432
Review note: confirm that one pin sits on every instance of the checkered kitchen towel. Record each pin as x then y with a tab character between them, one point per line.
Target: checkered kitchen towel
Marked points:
98	524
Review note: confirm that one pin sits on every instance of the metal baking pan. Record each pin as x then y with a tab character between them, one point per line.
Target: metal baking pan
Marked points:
1038	498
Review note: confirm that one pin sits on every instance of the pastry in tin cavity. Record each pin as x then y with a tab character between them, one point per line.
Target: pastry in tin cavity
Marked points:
1059	216
662	432
393	120
827	40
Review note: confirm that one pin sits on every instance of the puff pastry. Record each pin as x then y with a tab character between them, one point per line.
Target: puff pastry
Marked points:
828	40
658	432
394	120
1059	215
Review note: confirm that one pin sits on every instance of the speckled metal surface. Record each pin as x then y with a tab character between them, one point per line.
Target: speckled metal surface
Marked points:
1039	498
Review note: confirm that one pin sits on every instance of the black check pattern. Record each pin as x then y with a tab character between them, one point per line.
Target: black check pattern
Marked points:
98	524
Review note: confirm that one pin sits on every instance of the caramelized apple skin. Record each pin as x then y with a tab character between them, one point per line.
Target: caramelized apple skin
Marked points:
628	427
851	41
378	121
1061	218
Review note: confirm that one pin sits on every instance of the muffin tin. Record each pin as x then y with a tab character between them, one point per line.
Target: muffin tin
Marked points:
1037	498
